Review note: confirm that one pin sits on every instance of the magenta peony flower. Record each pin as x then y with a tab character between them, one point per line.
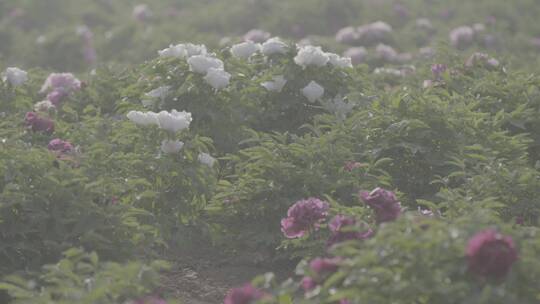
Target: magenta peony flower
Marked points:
491	254
343	229
323	266
303	216
384	203
37	123
243	295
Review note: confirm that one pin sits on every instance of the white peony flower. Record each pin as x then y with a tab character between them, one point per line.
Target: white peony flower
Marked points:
339	107
313	91
245	49
206	159
183	50
176	51
338	61
171	146
142	118
274	46
202	63
15	76
159	93
44	106
174	121
276	85
217	78
195	49
311	55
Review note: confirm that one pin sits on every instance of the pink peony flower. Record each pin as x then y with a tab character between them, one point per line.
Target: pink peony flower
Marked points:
303	216
491	254
65	81
243	295
323	266
37	123
60	146
308	283
384	203
56	96
343	229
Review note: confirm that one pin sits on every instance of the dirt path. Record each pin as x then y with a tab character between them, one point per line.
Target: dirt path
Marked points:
205	277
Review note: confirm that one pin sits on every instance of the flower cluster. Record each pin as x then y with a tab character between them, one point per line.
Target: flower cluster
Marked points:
383	202
304	216
60	85
201	62
183	50
173	121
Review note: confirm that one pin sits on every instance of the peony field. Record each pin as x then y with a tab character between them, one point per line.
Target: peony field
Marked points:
269	152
